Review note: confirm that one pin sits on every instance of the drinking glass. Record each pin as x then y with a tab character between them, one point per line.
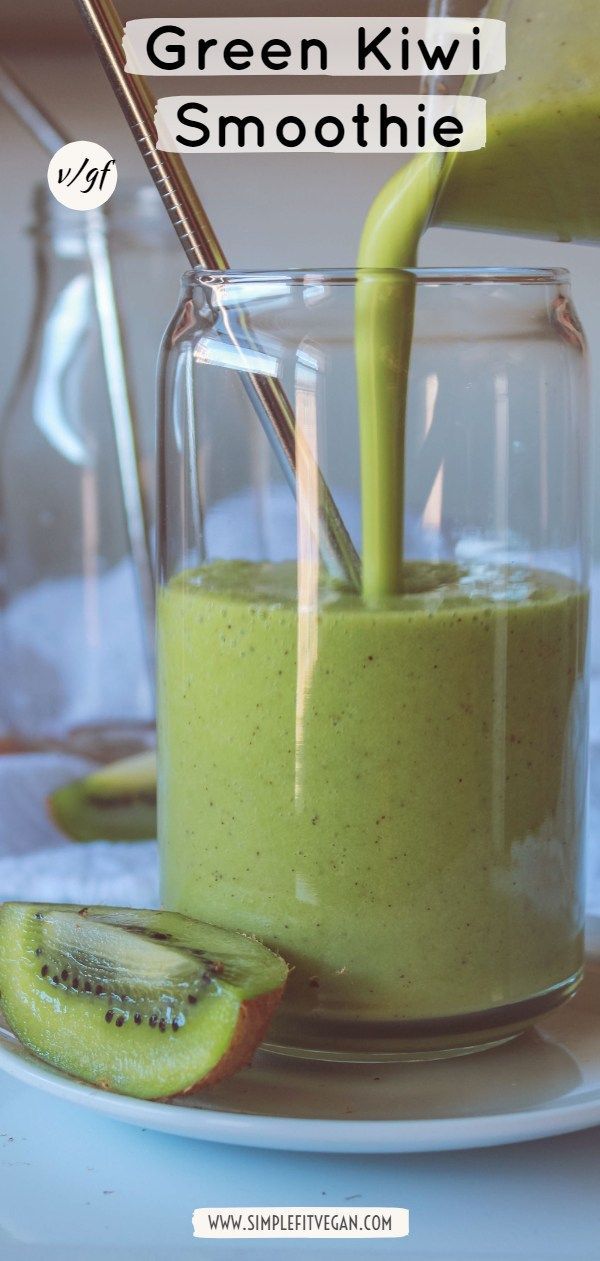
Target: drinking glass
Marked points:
388	791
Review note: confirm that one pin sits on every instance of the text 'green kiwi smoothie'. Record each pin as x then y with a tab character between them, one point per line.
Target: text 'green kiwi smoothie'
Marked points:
402	821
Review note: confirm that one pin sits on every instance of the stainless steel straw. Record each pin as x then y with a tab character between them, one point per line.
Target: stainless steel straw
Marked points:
202	248
51	138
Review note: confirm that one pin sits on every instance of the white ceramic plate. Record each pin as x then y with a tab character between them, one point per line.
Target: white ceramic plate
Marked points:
545	1082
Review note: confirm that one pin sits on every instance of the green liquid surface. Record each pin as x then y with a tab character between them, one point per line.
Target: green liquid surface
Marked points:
387	796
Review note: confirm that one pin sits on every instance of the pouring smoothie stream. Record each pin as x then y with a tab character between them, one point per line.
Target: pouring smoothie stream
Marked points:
539	175
389	786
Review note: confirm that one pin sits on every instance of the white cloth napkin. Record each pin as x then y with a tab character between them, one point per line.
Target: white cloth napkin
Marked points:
79	646
38	864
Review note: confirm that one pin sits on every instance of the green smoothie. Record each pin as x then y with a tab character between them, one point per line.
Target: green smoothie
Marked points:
539	174
389	787
407	833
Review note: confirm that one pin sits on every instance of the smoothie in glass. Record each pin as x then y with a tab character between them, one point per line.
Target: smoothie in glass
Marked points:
388	786
409	838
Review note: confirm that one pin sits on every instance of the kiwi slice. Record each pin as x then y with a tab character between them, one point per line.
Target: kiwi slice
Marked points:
116	803
146	1003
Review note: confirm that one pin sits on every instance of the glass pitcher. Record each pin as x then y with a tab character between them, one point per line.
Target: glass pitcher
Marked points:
539	173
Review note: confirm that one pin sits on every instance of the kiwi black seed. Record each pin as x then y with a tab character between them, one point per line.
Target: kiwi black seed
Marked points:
147	968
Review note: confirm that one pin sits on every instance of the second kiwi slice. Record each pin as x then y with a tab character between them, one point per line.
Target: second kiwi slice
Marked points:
115	803
147	1003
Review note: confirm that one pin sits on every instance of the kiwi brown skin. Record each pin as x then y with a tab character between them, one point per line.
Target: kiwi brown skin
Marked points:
252	1024
145	1003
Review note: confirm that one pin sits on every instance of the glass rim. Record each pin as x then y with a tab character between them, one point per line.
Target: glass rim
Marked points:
344	275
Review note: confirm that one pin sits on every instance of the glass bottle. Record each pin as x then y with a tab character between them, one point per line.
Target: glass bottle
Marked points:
73	662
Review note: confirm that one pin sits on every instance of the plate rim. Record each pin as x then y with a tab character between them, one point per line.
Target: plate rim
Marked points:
308	1133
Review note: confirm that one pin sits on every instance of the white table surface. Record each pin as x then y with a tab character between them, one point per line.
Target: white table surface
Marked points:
78	1187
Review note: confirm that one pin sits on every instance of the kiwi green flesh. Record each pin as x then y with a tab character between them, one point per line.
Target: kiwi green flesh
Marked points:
116	803
146	1003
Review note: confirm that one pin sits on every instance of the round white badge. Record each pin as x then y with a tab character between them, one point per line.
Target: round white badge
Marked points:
82	175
